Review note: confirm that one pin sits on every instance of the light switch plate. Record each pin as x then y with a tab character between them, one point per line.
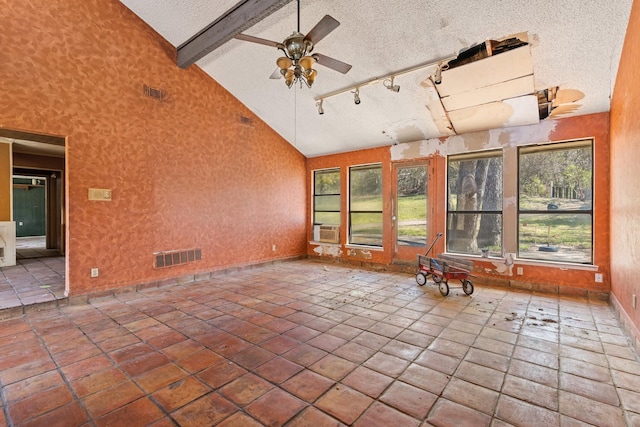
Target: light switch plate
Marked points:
100	194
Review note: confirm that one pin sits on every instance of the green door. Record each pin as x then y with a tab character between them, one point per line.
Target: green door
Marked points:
29	207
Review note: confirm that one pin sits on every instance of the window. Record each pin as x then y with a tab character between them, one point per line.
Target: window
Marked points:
474	204
365	205
326	197
555	202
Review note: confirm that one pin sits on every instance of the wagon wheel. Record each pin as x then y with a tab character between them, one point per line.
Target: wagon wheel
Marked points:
444	288
467	287
437	278
421	279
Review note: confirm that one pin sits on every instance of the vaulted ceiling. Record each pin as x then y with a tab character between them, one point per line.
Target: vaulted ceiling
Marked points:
570	45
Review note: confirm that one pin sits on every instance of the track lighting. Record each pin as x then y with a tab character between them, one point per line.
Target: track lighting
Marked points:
437	77
319	105
356	96
388	83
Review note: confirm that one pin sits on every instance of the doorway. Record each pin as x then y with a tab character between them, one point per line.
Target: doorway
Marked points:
37	195
410	209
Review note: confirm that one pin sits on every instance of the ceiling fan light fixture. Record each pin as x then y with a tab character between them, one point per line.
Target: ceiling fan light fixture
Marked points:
311	76
307	62
284	63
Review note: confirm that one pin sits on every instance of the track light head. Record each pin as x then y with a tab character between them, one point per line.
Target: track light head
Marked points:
437	77
319	105
388	83
356	96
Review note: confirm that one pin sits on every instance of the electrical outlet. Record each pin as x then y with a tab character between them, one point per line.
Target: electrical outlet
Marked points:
273	247
598	277
520	272
633	301
94	272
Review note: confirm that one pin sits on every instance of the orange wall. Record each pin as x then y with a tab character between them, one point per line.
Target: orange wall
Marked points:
594	126
5	181
625	179
184	172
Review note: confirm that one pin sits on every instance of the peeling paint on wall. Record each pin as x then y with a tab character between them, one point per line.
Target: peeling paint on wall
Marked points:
475	141
360	253
328	250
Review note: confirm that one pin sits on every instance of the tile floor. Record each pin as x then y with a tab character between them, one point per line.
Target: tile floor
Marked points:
311	344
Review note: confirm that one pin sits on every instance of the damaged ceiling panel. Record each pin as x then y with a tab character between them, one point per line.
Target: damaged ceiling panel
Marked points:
490	85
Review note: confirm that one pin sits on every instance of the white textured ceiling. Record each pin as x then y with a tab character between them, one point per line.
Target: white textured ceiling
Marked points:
574	44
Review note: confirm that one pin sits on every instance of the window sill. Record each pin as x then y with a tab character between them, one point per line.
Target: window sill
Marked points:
524	261
370	248
315	242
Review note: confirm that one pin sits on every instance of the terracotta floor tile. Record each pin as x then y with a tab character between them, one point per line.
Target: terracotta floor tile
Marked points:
141	412
252	357
69	415
480	375
182	349
112	398
538	357
313	417
472	396
344	403
29	369
278	370
371	340
239	419
409	399
518	412
307	385
262	409
302	333
386	364
180	393
450	414
221	373
533	372
162	376
449	348
586	370
24	388
327	342
279	344
344	331
531	392
145	363
209	410
415	338
166	339
245	389
380	414
39	403
333	367
354	352
367	381
605	393
437	361
425	378
402	350
200	360
97	381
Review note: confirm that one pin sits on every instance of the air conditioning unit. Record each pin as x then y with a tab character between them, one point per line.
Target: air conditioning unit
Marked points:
330	233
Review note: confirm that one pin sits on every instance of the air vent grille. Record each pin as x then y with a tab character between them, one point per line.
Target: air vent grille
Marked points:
172	258
154	93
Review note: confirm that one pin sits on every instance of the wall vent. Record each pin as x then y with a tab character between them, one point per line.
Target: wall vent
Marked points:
154	93
172	258
330	233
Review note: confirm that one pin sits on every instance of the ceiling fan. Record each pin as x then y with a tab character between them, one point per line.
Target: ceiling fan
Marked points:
297	64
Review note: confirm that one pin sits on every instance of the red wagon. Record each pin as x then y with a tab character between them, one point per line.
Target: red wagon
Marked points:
442	269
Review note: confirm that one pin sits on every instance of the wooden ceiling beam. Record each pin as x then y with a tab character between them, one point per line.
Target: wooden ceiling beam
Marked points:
243	15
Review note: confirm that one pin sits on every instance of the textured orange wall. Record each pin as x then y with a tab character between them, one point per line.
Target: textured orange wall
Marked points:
594	126
625	179
184	172
5	182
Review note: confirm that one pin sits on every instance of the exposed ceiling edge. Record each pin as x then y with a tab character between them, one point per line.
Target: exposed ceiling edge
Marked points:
243	15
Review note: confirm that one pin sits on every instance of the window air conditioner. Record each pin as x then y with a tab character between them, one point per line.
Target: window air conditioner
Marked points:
330	233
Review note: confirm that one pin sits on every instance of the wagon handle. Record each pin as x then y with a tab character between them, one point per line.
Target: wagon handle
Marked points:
439	235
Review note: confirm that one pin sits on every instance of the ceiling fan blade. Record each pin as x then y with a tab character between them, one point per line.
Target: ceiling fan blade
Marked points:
276	74
334	64
258	40
322	28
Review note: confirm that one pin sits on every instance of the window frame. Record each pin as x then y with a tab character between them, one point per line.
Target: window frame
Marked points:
559	146
350	211
314	195
477	155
